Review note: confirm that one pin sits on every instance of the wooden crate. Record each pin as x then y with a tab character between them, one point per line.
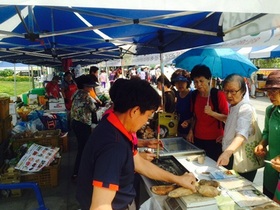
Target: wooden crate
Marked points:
5	128
47	177
44	138
4	107
63	143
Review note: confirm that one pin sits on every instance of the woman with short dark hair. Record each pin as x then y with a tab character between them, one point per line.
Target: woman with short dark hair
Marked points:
181	80
210	110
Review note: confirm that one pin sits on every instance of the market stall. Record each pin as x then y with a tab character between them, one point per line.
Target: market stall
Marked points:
29	146
235	191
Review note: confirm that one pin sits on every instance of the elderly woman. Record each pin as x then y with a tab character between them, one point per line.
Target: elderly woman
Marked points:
271	133
210	111
239	121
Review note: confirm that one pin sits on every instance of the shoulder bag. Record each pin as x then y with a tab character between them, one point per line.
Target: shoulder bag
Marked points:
245	159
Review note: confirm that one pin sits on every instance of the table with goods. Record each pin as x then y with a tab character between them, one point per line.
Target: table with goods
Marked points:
217	187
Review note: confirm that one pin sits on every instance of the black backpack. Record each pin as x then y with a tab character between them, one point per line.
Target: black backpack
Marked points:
214	100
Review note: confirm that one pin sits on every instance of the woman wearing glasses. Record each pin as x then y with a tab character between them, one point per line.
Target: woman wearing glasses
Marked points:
271	133
239	121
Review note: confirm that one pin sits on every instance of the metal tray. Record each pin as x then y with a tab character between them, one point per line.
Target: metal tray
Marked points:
178	146
171	164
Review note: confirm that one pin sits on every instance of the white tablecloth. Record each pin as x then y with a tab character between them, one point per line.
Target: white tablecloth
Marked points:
224	201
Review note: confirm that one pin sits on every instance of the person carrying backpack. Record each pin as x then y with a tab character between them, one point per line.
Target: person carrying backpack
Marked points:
210	110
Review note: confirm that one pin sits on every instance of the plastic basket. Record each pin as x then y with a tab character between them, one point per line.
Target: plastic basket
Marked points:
47	177
44	138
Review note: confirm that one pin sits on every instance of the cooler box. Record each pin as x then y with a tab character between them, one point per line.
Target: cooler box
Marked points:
168	123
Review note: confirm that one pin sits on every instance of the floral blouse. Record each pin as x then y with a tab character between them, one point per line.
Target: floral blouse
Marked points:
82	107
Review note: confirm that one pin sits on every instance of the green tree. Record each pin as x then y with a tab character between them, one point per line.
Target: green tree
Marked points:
6	73
267	63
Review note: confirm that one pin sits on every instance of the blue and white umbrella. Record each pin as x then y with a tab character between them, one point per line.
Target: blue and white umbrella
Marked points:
221	61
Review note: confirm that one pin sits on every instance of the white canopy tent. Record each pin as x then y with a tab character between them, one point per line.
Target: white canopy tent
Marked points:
238	6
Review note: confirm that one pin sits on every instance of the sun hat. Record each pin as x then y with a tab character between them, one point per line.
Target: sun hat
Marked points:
179	78
272	81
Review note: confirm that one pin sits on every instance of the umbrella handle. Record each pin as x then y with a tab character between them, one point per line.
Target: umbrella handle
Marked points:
209	92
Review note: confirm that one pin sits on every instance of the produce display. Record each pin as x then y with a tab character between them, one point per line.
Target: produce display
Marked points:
207	188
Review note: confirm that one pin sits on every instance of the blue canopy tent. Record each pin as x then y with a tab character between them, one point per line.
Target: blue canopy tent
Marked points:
48	34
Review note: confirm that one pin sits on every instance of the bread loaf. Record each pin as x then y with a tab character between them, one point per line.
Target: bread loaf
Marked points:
208	191
212	183
179	192
163	189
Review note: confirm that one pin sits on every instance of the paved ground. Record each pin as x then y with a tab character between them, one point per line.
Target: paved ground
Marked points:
62	197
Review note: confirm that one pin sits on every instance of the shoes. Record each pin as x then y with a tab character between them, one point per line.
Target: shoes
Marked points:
253	97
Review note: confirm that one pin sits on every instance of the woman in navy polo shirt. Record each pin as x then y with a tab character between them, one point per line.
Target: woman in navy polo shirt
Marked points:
110	157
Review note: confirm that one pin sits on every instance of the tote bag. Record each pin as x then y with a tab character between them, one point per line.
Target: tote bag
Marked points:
245	159
277	192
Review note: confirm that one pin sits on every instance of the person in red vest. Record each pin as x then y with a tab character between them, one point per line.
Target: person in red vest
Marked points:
52	88
68	88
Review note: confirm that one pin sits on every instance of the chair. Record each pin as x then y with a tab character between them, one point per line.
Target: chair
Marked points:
27	185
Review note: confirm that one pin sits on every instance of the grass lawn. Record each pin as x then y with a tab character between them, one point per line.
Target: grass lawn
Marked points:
13	89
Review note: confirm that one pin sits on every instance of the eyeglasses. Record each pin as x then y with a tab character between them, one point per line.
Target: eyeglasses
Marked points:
232	92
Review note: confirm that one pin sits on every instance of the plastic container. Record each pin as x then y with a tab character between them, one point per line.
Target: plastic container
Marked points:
25	98
38	91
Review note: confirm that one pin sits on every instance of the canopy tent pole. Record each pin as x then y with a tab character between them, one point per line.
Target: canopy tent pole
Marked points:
32	76
162	81
15	81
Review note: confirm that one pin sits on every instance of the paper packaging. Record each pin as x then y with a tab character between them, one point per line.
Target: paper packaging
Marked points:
56	106
12	108
32	99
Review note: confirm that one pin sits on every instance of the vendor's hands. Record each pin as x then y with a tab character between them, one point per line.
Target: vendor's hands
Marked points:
260	150
185	124
187	180
147	155
208	110
223	160
276	163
